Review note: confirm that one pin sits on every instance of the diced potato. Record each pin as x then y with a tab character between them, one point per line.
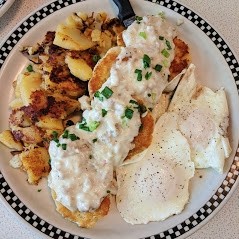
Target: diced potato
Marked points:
29	135
70	105
74	21
79	68
16	87
71	38
6	137
29	83
36	163
47	122
95	35
101	16
16	103
105	41
66	87
82	15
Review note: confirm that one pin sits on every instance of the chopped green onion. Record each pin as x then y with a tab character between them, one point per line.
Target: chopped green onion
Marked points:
162	14
108	191
148	75
83	125
49	161
104	112
128	113
139	74
64	146
146	61
39	190
29	68
168	45
93	125
165	63
138	19
143	34
94	140
158	67
56	140
90	157
165	53
161	38
124	122
54	134
149	95
98	95
153	96
58	145
107	92
141	108
96	58
65	134
133	102
73	137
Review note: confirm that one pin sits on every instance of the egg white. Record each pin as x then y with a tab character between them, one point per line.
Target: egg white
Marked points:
203	120
156	187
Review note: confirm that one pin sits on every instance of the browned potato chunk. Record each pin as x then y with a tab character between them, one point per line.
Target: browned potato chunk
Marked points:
6	137
36	163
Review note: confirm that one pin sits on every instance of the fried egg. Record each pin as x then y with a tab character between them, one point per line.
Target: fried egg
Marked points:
203	120
156	187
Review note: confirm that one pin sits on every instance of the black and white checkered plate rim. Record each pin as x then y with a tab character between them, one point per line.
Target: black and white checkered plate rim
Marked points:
221	193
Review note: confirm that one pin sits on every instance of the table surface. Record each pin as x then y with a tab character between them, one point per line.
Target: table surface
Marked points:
223	16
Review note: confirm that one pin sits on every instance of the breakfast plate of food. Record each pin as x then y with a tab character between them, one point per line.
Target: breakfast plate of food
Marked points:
113	130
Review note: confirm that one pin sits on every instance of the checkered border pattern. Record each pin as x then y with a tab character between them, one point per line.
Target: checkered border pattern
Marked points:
2	3
202	213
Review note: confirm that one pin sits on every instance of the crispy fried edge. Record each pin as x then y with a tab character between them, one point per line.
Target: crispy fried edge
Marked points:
83	219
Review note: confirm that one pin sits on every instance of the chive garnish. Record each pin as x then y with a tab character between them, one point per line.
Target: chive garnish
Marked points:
54	134
143	34
158	67
96	58
139	74
128	113
83	125
165	53
138	19
161	38
73	137
29	68
146	61
65	134
93	125
104	112
94	140
168	45
107	92
148	75
98	95
64	146
133	102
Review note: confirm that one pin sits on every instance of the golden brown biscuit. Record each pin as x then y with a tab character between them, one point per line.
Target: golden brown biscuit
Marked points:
83	219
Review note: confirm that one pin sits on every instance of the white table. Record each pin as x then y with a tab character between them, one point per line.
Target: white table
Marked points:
224	17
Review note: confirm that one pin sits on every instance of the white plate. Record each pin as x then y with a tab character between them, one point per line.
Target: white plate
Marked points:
5	5
216	67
